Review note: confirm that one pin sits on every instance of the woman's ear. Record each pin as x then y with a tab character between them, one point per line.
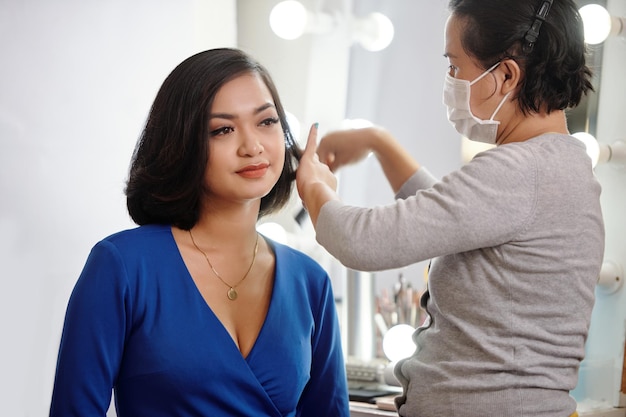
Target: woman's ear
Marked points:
512	75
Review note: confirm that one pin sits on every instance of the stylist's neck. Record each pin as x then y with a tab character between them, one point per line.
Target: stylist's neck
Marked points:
520	129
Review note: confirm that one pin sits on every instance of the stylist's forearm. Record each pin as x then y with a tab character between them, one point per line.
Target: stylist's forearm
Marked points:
315	196
396	163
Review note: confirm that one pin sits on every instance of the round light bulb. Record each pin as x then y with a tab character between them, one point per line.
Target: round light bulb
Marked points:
374	32
385	32
398	342
597	23
591	144
288	19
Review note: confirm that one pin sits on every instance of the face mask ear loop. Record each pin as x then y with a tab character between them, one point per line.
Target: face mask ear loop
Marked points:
484	74
500	105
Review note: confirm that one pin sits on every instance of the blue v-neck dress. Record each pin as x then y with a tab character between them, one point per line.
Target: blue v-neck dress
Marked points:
137	324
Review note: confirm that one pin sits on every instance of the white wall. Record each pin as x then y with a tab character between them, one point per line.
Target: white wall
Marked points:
76	82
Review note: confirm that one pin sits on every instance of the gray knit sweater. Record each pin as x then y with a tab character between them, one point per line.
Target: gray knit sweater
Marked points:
517	242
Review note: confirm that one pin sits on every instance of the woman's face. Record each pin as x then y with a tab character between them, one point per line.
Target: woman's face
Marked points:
483	100
246	142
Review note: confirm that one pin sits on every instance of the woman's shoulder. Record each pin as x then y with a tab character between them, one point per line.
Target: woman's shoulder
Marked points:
142	239
541	152
290	254
140	233
543	146
295	262
300	276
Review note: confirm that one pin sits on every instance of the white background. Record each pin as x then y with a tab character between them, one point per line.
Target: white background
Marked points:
76	81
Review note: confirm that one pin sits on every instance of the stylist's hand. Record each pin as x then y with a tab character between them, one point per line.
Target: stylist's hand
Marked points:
345	147
316	183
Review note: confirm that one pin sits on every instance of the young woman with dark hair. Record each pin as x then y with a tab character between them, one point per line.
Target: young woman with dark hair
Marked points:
166	182
193	313
516	236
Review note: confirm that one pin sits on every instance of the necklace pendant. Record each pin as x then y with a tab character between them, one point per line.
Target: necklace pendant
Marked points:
232	294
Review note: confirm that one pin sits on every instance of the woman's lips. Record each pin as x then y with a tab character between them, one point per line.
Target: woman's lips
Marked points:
253	171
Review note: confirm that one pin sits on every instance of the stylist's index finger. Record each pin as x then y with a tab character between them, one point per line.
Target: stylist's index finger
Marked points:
311	143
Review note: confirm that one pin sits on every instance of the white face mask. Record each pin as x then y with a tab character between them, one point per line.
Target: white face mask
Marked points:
456	96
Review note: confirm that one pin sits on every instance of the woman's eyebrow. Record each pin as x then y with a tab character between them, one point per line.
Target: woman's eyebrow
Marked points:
229	116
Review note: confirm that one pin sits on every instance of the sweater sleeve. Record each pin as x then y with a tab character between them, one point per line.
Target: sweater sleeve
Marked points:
326	393
93	337
484	204
421	180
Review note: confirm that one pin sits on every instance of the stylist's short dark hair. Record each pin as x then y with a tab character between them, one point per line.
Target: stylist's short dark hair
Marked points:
166	180
555	75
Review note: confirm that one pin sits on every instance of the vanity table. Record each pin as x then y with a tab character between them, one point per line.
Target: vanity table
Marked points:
384	407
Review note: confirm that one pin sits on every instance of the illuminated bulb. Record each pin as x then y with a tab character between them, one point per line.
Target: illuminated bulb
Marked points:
615	153
288	19
398	342
374	32
591	144
597	23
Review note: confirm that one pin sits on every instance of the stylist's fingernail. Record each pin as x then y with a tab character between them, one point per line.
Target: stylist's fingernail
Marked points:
316	125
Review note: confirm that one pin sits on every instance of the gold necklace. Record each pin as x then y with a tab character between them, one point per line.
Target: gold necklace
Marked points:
232	292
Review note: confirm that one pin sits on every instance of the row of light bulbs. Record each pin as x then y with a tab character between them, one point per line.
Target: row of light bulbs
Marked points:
599	25
290	20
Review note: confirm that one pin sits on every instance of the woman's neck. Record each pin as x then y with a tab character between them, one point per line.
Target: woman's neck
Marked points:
234	224
533	125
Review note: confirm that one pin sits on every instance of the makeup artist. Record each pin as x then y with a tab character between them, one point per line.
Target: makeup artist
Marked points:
516	236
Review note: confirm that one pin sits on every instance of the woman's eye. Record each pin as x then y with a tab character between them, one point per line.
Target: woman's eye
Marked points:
221	131
452	69
270	121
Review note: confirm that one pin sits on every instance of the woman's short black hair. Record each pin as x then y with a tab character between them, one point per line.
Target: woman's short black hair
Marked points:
555	74
166	180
